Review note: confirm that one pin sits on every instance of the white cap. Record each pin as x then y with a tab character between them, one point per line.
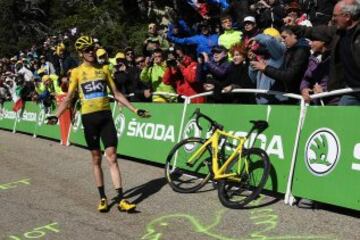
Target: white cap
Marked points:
250	19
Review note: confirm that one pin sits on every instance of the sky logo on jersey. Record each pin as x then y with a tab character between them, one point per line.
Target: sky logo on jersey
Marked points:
94	89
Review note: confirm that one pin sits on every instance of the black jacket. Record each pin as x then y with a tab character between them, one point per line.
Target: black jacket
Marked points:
129	84
294	66
238	77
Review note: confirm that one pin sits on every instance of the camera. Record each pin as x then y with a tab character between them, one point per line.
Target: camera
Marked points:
171	63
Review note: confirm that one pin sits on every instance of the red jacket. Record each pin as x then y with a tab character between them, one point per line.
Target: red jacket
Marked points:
183	79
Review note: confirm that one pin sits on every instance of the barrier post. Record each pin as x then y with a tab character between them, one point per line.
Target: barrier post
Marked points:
64	121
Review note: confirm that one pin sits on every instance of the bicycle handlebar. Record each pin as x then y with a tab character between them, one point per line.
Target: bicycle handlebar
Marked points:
259	125
213	123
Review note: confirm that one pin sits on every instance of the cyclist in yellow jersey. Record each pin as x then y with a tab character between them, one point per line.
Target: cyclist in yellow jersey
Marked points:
91	80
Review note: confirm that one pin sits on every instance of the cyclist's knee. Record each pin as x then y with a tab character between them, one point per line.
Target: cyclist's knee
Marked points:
96	157
111	153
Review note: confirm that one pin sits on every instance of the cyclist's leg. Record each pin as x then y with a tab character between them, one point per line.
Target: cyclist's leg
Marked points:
96	165
92	138
114	167
109	139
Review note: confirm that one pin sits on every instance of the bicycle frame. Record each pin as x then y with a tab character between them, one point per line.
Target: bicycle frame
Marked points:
219	171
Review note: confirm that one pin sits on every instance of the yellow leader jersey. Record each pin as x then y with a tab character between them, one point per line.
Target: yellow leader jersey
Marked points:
91	83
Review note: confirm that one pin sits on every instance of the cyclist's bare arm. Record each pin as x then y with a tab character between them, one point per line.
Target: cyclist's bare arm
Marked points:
64	104
120	98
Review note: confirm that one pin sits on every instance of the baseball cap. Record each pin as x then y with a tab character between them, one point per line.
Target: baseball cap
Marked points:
100	52
272	32
218	49
120	55
45	78
249	19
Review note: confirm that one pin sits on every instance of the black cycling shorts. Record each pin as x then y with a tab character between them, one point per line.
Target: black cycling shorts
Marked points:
99	125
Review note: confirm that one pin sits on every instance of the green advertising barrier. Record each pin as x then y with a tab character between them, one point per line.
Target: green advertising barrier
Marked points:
26	118
277	140
150	138
7	116
328	161
43	129
32	120
327	168
76	132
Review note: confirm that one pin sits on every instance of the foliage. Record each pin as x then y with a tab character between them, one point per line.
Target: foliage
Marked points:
23	23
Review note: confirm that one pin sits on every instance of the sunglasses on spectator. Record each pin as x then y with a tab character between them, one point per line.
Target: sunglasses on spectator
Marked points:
89	49
129	54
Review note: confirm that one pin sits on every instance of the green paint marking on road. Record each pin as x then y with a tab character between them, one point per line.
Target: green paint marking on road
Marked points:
15	184
38	232
266	220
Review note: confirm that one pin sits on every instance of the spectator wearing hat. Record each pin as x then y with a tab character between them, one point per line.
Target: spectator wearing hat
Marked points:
154	41
46	65
213	71
46	91
345	50
230	36
250	29
119	72
273	32
126	78
63	62
153	73
102	56
316	76
204	40
295	16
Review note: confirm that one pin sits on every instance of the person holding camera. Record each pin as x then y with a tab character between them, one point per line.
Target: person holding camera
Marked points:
153	73
181	74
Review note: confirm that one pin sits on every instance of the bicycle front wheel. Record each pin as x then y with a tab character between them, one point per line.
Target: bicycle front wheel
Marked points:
182	176
251	174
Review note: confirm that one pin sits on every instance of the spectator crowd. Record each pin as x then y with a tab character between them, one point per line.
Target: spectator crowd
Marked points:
302	47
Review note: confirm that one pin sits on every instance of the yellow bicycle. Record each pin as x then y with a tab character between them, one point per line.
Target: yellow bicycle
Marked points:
240	173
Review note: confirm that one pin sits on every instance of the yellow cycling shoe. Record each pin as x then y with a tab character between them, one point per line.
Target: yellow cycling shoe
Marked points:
126	206
103	205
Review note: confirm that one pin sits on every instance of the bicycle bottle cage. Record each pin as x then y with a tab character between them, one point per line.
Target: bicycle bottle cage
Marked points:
260	125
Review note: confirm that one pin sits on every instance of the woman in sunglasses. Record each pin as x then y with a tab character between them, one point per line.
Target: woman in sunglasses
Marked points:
91	80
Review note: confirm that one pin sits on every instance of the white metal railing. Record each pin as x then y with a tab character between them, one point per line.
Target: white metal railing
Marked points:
334	93
250	90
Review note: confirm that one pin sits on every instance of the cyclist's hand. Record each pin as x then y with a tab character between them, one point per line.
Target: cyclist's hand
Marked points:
143	113
52	120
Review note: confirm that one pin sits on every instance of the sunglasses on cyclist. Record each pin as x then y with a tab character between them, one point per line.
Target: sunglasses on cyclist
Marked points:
89	49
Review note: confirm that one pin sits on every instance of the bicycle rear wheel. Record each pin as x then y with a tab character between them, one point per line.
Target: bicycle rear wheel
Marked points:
186	178
236	192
